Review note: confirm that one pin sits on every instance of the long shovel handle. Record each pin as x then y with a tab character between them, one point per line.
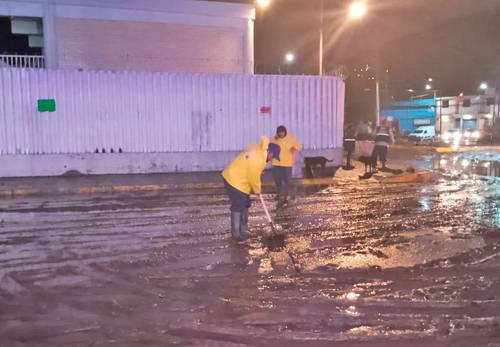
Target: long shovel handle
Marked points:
265	209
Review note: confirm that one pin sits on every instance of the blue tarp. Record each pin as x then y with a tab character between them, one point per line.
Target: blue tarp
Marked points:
411	114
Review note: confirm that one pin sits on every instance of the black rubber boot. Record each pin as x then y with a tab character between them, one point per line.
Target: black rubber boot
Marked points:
285	191
236	225
244	234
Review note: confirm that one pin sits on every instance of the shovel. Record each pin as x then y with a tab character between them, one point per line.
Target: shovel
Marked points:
273	229
276	240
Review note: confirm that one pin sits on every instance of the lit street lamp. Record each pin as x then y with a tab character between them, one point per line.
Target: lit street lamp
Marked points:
289	57
428	87
263	3
430	79
357	9
483	86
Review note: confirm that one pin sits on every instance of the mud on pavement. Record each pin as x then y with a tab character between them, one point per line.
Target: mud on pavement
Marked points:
357	265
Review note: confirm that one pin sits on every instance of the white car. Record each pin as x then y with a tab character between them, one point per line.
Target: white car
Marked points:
423	133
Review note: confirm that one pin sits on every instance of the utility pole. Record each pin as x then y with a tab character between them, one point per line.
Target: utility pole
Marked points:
377	90
320	53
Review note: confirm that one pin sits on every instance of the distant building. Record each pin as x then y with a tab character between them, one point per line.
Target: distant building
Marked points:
411	114
448	113
469	112
143	35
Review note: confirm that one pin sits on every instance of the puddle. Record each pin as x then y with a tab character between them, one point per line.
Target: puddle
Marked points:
467	164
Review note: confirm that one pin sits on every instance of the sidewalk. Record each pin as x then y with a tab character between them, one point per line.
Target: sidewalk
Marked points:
98	184
83	184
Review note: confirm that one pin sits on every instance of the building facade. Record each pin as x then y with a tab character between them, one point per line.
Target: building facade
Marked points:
411	114
139	35
466	112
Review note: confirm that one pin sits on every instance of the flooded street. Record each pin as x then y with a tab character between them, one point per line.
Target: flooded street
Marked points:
358	264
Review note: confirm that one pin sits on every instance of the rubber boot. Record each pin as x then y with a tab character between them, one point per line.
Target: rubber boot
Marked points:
235	226
244	234
292	191
285	194
278	193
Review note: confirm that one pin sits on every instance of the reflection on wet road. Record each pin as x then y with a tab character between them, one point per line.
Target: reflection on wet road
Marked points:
358	265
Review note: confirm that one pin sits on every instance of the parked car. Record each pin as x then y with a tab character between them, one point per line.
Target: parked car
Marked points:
422	134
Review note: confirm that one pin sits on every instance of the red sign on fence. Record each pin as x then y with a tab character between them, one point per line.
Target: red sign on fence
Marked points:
265	109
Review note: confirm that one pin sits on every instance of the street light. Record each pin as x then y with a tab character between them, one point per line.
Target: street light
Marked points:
263	3
357	9
289	57
483	86
430	79
428	87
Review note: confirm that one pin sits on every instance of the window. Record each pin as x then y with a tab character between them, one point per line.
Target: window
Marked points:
445	103
470	124
490	101
466	103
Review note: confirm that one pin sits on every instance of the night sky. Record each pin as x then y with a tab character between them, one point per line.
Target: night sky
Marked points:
456	42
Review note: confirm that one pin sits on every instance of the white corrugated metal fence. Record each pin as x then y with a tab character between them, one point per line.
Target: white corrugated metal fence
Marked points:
163	112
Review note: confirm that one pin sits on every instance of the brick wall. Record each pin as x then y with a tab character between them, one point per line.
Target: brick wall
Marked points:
126	45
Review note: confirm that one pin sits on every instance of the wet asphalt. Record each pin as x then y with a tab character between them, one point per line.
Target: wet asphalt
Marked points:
356	264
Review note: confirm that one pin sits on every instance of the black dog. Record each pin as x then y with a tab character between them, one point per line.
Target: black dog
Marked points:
369	167
313	162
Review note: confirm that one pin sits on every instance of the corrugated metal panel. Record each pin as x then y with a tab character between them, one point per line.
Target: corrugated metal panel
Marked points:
163	112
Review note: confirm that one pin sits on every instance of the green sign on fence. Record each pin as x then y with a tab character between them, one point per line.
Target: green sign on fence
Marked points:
46	105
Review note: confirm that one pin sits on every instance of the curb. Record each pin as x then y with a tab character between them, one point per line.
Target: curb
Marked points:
11	193
448	150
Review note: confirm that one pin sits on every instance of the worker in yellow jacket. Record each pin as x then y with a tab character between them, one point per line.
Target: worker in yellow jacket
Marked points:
282	169
242	177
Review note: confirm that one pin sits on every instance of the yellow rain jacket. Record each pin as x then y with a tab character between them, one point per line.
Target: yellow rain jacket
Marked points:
286	155
245	171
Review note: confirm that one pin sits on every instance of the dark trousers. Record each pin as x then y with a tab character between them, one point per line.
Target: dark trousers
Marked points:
283	178
349	146
379	154
239	201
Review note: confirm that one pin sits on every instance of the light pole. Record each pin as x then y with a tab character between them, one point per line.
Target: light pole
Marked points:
320	53
429	88
357	10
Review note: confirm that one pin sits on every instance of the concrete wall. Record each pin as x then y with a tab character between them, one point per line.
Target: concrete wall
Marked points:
93	44
141	34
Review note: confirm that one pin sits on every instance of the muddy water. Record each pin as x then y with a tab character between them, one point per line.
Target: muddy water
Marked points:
467	164
354	265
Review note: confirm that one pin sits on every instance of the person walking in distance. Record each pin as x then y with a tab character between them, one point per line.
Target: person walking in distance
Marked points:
349	145
242	177
383	138
282	169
